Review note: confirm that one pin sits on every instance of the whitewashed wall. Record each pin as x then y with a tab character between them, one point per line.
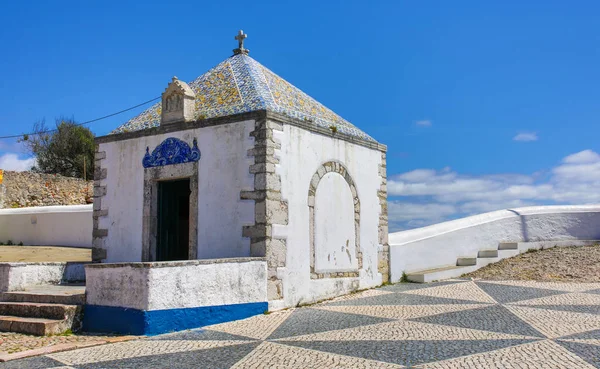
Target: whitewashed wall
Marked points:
178	284
222	174
334	226
69	225
18	276
441	244
302	153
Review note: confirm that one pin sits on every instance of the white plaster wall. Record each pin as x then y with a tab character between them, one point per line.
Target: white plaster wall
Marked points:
207	285
223	171
18	276
335	247
117	285
441	244
69	225
302	153
158	286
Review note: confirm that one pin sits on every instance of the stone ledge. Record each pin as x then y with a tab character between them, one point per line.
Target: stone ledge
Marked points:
256	115
354	274
178	263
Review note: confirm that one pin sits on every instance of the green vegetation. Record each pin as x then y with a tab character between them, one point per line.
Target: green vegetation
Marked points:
404	278
67	150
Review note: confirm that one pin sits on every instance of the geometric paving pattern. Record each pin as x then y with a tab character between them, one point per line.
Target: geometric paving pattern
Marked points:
451	324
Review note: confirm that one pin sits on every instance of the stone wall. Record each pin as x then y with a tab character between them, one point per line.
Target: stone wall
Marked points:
25	189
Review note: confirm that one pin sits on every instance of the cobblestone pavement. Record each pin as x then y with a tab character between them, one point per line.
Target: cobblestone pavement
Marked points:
11	343
452	324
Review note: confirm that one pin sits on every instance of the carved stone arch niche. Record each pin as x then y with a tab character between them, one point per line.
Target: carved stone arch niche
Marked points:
336	173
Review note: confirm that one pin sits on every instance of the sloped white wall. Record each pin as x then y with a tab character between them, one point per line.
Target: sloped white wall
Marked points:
441	244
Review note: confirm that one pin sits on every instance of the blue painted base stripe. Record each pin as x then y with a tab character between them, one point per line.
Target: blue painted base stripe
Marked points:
110	319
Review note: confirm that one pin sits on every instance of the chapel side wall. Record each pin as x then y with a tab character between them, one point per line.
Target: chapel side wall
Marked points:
222	172
309	161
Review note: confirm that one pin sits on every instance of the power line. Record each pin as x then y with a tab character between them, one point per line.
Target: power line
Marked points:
87	122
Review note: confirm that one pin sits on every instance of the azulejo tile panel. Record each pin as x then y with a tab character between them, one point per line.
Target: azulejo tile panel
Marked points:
171	151
240	84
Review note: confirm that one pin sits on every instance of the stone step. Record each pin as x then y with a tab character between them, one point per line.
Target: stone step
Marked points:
508	246
53	294
37	310
466	261
488	253
36	326
438	274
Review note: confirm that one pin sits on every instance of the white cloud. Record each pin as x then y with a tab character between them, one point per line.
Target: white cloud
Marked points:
405	215
586	156
10	161
426	196
424	123
526	137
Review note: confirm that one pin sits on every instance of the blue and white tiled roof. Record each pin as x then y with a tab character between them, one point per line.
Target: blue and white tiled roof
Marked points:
239	85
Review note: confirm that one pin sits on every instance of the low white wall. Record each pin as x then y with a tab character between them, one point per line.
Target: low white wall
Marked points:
441	244
18	276
69	225
177	284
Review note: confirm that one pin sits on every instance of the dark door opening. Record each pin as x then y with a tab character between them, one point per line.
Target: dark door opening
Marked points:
173	232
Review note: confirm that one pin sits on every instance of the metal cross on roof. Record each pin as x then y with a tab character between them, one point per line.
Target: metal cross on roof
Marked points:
241	36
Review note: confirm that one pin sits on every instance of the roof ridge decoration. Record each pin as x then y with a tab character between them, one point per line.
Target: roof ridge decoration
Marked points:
240	84
177	85
241	36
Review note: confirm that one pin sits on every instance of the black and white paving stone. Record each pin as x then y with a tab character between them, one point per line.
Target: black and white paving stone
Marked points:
451	324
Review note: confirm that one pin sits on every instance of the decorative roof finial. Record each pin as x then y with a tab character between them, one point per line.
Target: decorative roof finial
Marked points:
241	36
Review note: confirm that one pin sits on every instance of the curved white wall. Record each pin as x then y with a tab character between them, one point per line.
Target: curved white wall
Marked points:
69	225
441	244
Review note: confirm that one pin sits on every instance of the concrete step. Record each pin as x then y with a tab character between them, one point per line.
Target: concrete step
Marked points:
481	262
36	326
438	274
488	253
507	253
508	246
466	261
37	310
53	294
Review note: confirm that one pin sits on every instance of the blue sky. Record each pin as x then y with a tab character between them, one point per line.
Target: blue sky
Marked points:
483	105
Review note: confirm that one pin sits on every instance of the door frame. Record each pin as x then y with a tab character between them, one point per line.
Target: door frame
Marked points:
150	211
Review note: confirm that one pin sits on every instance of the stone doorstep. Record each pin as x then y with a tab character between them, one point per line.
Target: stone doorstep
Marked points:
42	310
37	310
35	326
62	347
68	295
